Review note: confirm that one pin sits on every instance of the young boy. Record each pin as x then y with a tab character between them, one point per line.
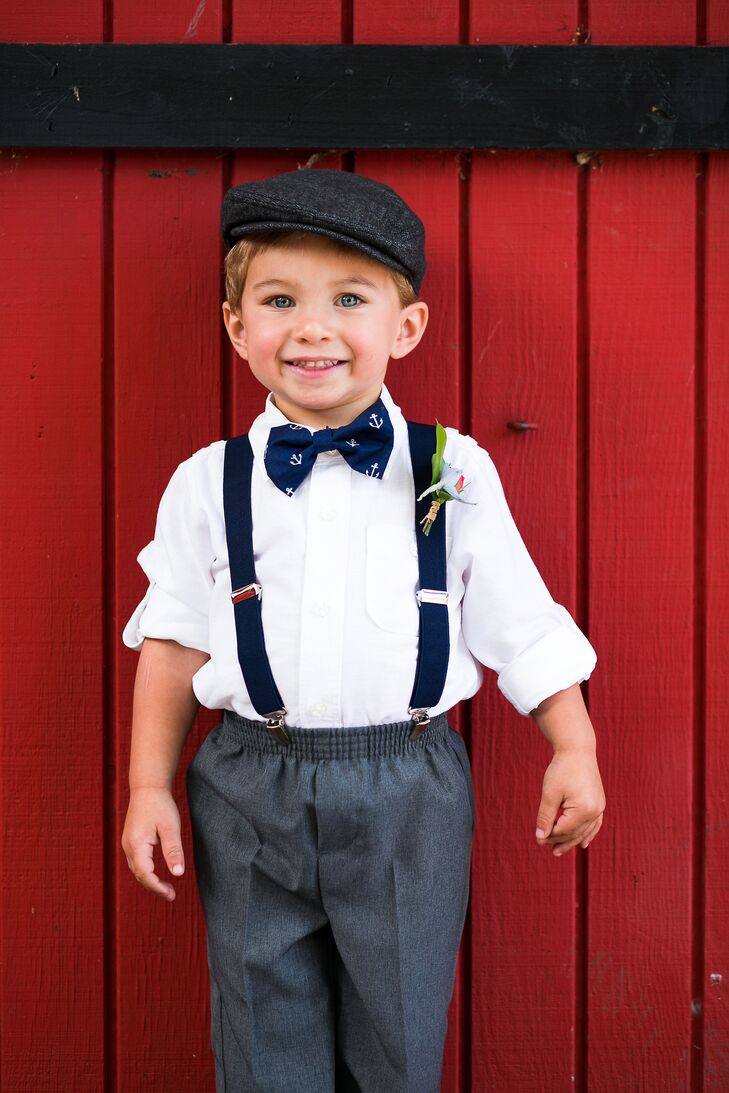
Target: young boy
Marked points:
292	585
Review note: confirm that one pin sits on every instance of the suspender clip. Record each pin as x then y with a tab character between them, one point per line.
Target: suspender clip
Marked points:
246	592
421	720
275	725
431	595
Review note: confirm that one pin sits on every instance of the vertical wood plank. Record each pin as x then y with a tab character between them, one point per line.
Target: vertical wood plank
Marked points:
641	281
52	674
524	245
164	275
523	233
715	549
167	382
51	551
641	292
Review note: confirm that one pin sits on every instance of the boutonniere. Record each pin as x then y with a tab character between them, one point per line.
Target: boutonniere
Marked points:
448	482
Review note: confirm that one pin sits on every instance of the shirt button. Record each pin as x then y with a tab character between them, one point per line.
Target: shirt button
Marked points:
318	710
327	514
321	609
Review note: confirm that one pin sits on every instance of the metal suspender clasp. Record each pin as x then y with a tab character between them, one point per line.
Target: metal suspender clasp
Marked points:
246	592
276	727
431	595
421	720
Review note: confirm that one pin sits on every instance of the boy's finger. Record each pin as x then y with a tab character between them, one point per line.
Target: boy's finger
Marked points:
143	869
149	880
172	851
592	832
548	809
583	837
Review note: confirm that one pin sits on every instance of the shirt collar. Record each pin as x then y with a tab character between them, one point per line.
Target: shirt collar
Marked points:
272	416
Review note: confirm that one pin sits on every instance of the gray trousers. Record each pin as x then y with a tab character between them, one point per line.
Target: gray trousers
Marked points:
333	874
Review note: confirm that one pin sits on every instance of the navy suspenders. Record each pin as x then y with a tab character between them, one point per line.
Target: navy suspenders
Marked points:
433	643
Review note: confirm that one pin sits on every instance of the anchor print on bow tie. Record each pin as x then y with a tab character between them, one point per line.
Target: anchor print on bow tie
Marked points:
366	444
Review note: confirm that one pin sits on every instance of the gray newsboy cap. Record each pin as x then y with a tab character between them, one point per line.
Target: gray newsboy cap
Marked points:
356	210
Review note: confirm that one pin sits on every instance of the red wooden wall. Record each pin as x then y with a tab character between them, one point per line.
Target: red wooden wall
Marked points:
592	300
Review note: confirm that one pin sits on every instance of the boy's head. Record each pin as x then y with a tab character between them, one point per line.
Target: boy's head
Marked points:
342	260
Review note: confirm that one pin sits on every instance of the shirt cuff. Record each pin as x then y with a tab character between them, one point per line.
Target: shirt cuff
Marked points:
160	615
557	661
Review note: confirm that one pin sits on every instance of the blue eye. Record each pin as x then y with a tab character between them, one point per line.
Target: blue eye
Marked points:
350	296
278	298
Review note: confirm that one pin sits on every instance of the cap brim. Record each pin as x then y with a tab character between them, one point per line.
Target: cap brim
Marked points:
240	231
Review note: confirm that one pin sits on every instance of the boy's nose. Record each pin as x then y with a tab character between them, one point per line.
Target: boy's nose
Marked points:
311	324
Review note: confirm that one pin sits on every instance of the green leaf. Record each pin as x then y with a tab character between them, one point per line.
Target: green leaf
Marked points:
437	457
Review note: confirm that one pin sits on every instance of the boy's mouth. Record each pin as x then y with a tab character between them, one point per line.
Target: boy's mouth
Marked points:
310	365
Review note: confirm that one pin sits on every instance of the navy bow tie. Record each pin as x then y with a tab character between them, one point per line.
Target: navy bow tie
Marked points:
366	444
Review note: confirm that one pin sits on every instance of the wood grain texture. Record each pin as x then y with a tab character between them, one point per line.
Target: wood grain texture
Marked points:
52	748
641	286
166	352
280	95
715	550
523	284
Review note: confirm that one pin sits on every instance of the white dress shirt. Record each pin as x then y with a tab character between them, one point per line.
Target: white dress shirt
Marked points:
338	566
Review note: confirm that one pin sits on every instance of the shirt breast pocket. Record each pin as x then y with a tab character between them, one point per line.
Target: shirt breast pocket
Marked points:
391	578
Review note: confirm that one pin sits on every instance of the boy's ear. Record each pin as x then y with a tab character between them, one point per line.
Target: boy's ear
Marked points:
413	322
236	330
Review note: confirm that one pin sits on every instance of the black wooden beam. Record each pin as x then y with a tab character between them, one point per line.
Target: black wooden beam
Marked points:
363	96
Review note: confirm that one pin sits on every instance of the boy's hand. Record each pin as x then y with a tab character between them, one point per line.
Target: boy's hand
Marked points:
573	785
152	817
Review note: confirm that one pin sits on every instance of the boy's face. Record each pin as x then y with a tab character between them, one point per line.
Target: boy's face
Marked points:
310	302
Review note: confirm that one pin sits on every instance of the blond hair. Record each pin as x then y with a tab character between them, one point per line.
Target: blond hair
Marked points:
238	259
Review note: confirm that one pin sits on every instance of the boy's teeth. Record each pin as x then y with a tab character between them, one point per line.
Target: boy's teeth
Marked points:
314	364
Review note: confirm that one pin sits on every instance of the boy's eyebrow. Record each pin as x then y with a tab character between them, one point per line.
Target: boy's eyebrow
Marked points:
354	279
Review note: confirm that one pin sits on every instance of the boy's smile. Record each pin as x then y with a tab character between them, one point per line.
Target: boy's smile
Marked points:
318	328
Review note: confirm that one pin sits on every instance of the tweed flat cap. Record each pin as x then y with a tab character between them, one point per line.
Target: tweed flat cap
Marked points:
354	209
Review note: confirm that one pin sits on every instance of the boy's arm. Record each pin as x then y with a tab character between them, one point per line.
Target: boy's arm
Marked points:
164	710
564	720
572	780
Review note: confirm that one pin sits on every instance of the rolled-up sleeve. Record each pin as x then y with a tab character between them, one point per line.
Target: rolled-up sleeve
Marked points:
509	619
177	563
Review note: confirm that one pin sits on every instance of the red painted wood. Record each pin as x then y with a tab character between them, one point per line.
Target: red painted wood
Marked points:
165	274
52	671
641	291
60	21
714	547
525	365
168	21
167	261
715	550
641	246
523	291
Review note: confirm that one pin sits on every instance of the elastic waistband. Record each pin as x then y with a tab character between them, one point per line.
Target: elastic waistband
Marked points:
362	742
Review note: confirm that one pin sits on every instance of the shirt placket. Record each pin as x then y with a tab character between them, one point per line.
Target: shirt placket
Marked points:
323	600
